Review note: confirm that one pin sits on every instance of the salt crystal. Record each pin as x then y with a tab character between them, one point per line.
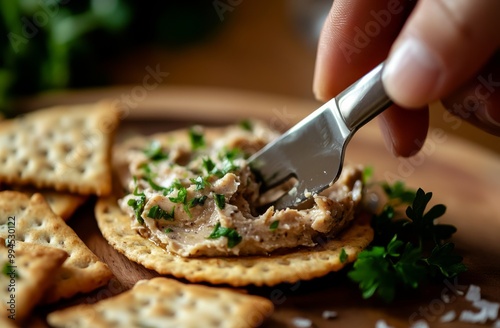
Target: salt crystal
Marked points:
420	324
473	293
382	324
329	314
448	316
491	308
302	322
473	317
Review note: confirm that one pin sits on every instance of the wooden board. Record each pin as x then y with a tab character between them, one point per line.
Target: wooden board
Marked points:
461	175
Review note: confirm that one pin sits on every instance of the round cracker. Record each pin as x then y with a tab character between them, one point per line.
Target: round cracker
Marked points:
299	264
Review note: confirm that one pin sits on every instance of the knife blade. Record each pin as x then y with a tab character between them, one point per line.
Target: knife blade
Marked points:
312	152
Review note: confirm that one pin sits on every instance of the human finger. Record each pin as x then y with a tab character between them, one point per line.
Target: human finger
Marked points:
356	36
404	130
443	44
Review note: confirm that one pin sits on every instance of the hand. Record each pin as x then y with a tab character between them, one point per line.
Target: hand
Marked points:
436	50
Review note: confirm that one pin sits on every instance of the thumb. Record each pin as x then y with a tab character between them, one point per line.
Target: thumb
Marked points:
443	43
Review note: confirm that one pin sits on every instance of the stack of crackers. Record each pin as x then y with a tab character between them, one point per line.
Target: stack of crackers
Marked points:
51	161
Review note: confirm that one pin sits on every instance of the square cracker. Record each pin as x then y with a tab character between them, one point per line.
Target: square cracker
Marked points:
162	302
65	148
35	222
62	203
26	275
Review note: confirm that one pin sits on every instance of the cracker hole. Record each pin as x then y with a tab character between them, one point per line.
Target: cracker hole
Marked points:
82	265
283	262
145	302
65	275
214	322
43	152
49	166
24	162
67	148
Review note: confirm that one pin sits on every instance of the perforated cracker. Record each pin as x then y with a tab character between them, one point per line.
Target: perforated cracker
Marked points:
62	203
300	264
36	223
27	271
162	302
65	148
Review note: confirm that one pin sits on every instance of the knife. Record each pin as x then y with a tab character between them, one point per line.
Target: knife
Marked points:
312	151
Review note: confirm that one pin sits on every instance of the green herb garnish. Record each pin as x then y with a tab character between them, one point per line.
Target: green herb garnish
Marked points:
274	225
200	182
156	212
167	230
220	201
343	255
197	139
367	174
154	151
406	252
233	238
246	125
138	205
197	201
398	192
208	165
8	270
181	196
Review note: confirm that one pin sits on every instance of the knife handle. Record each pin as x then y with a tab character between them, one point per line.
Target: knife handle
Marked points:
363	100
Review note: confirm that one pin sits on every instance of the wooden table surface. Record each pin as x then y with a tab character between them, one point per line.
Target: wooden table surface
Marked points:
461	175
258	45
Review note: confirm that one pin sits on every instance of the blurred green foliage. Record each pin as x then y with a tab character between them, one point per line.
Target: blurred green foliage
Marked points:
53	44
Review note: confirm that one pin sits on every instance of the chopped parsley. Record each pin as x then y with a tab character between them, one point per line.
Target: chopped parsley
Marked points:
8	270
208	165
227	158
233	238
200	182
367	174
156	212
138	205
343	255
168	230
220	201
406	252
246	125
155	186
181	196
154	151
274	225
197	138
197	201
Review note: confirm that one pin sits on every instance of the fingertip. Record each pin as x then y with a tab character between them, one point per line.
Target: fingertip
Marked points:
404	131
412	74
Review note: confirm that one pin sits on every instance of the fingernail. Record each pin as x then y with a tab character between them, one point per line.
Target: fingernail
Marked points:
488	115
412	74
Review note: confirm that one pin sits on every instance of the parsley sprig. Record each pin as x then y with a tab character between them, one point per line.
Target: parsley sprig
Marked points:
408	251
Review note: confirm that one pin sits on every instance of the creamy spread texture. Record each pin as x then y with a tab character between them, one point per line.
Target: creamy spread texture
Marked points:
192	192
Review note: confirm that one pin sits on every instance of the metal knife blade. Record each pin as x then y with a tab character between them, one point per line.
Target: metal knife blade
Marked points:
313	151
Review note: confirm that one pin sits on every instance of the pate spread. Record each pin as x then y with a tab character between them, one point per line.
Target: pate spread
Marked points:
192	193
